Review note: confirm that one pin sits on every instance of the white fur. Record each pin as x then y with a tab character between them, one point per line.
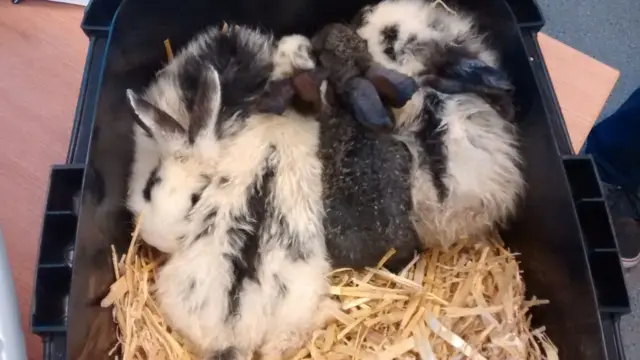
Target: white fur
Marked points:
483	177
416	18
146	157
265	322
483	174
165	93
226	168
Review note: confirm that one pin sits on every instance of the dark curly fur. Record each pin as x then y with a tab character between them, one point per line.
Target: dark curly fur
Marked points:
367	195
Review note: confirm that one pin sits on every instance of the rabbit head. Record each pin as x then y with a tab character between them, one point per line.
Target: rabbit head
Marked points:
401	33
421	39
174	187
204	96
292	54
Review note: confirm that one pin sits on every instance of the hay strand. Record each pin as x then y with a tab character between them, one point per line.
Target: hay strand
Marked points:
168	50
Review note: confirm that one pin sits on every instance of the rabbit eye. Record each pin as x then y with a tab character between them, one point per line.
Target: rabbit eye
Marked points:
411	40
195	197
223	181
302	49
151	182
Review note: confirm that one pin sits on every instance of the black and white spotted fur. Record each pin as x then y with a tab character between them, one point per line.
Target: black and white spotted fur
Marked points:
366	182
234	197
467	176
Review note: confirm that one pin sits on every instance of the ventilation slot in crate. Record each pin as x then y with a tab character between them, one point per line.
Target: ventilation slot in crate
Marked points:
527	13
50	308
61	216
53	280
582	177
595	225
64	188
598	235
611	288
58	238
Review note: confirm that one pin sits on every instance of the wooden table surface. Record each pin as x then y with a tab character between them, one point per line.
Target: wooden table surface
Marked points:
582	85
43	55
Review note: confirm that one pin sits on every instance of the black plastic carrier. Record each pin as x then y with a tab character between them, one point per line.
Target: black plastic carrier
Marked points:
569	251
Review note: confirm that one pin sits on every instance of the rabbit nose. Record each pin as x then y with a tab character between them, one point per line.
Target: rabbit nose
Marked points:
366	105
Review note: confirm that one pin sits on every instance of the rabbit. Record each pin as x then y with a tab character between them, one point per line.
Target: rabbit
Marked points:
234	198
467	174
366	187
402	34
367	194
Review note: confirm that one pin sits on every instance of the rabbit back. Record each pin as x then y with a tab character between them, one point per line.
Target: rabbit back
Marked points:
253	277
367	195
467	174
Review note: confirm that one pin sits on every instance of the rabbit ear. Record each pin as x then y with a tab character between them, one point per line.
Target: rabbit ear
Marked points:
301	91
480	73
477	71
470	75
307	87
498	97
153	120
447	86
206	103
320	38
366	106
361	16
277	98
392	86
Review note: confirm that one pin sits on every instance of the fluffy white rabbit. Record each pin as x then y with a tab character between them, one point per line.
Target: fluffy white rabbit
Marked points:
234	197
467	174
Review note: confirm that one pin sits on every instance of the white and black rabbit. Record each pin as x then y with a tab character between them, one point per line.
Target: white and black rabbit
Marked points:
467	176
234	197
366	184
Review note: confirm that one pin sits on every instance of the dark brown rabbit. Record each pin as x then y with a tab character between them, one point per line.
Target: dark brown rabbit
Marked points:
367	194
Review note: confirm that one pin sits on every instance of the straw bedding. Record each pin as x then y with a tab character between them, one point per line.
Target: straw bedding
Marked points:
464	303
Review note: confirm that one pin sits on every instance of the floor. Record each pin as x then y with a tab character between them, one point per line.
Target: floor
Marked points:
43	57
606	30
43	54
610	32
